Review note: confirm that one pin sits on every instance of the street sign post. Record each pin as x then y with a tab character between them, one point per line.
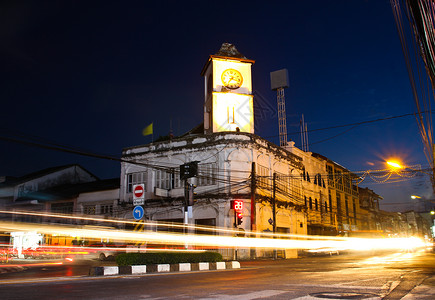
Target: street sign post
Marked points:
139	194
138	212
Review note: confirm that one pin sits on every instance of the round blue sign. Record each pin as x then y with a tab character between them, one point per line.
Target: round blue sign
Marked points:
138	212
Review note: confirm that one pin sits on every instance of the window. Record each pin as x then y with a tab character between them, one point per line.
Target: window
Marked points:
89	209
330	175
282	183
338	197
62	208
339	179
315	204
326	207
354	208
311	203
263	176
106	209
207	174
163	179
330	200
318	180
135	178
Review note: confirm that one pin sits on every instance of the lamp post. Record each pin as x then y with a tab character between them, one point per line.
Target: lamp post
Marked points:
428	204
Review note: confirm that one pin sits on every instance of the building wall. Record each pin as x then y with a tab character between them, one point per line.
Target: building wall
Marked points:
225	166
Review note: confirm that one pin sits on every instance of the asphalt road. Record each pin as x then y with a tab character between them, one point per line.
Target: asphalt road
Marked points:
387	276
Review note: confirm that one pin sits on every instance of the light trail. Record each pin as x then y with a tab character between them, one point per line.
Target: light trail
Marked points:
215	240
171	225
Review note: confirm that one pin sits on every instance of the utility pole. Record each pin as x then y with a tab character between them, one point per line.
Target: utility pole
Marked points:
253	206
274	212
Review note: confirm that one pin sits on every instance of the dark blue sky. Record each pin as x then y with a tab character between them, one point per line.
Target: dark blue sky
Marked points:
93	74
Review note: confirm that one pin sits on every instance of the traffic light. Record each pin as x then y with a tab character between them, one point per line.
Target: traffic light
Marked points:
239	218
192	194
237	205
189	194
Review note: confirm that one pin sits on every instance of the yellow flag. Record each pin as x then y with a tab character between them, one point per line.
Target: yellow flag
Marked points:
148	130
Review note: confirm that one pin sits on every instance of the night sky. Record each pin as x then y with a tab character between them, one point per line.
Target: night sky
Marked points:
91	75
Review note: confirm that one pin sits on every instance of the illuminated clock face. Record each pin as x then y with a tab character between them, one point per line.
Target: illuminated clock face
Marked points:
232	79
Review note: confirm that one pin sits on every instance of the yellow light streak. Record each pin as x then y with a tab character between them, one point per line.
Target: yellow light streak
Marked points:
167	225
217	240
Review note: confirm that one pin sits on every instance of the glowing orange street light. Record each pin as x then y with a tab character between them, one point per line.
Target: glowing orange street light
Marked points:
394	164
415	197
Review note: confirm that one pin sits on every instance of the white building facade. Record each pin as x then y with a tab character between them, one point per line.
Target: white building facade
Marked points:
225	169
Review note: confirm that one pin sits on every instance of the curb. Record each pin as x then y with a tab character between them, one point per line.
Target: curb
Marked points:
9	269
161	268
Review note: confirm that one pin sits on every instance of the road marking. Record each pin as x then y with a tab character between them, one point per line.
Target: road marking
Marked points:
336	286
248	296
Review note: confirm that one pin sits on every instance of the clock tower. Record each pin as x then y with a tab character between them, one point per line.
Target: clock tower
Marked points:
228	92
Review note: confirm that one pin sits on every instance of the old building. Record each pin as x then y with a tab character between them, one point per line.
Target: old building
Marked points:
37	190
320	214
369	205
233	163
343	198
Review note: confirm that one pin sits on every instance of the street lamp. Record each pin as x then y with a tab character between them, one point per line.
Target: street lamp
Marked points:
394	164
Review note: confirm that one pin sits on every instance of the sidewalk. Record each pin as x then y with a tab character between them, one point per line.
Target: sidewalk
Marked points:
424	290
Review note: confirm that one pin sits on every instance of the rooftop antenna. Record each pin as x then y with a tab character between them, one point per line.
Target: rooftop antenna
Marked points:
304	135
278	82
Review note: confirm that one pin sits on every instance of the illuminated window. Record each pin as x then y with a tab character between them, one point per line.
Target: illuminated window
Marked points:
135	178
89	209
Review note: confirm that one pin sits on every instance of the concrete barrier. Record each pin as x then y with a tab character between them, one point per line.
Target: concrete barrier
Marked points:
159	268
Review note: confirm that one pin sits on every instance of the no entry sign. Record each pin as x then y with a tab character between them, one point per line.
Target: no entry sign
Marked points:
138	191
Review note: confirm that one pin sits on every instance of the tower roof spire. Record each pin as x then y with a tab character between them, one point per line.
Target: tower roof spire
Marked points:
229	50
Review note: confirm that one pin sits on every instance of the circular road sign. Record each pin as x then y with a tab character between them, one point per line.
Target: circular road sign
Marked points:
138	212
138	191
